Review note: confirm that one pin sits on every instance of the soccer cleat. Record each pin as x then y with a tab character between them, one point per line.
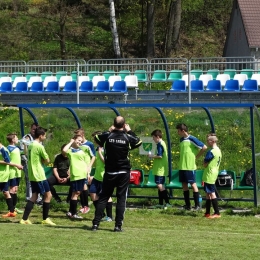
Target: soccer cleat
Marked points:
18	211
25	222
76	217
47	221
106	219
206	215
68	214
186	207
9	215
196	208
167	205
118	229
84	210
94	228
215	216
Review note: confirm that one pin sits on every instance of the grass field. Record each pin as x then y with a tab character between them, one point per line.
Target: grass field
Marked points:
148	234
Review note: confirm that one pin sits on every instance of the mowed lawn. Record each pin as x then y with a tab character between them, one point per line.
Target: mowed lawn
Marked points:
148	234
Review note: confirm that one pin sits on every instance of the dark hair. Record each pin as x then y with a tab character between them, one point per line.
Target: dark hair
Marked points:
182	127
39	131
119	122
34	124
96	133
10	137
62	147
157	132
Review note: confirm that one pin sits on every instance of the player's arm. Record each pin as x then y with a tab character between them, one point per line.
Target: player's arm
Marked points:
209	156
101	154
67	146
202	150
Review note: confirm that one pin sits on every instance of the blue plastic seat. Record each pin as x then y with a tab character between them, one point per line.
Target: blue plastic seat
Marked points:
36	87
21	87
52	86
86	86
178	85
70	86
214	85
119	86
102	86
250	85
231	85
6	87
196	85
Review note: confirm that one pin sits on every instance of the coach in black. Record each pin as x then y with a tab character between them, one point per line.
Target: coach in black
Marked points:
117	143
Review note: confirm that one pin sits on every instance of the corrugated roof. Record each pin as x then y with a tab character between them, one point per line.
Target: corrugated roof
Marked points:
250	11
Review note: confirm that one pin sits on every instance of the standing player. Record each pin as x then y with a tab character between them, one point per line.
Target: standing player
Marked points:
36	156
191	149
5	163
78	172
160	168
211	162
15	173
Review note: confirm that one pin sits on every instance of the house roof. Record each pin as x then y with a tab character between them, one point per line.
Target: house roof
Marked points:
250	11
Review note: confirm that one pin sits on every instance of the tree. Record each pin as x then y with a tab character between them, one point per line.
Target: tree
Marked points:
114	29
150	28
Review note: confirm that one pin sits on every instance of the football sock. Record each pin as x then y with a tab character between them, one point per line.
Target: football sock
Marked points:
14	197
95	203
160	197
165	196
45	210
215	206
208	205
109	209
196	198
186	195
85	195
73	206
27	210
10	205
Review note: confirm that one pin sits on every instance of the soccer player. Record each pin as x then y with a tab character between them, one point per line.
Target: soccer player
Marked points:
15	173
211	163
36	156
160	168
5	163
191	149
78	172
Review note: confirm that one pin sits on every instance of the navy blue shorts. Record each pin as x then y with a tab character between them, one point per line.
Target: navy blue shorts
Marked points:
86	181
95	187
77	185
209	188
4	186
159	179
14	182
40	187
187	176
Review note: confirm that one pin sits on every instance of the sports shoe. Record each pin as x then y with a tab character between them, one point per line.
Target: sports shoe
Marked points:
47	221
18	211
186	207
84	210
118	229
68	214
196	208
76	217
39	203
158	206
9	215
25	222
215	216
167	205
106	219
94	228
206	215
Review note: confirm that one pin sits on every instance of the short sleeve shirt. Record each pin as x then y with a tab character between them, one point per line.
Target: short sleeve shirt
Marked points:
36	154
15	157
160	165
4	169
62	164
100	167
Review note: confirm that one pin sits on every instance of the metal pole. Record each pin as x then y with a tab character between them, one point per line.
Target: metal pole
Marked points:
77	82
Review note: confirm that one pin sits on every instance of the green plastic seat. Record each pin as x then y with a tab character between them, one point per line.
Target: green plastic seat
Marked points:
174	181
108	73
175	75
150	183
93	73
248	72
159	75
74	75
16	74
61	73
199	174
196	73
4	74
213	72
45	74
48	171
141	75
31	74
242	184
123	73
230	72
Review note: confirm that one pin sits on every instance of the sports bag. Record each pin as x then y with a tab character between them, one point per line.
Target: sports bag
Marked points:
135	177
224	180
249	177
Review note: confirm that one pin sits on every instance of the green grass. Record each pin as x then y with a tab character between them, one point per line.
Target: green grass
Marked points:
148	234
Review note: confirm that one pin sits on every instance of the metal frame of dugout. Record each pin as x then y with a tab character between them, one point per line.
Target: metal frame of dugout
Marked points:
251	107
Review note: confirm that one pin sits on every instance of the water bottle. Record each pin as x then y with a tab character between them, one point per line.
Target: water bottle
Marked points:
200	201
224	172
150	152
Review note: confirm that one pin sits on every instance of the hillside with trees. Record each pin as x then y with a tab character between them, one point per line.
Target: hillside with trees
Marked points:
85	29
